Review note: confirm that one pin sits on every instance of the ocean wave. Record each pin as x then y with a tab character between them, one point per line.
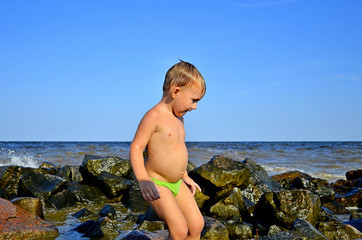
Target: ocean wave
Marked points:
11	157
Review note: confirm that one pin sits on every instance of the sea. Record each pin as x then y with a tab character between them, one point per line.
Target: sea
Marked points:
326	160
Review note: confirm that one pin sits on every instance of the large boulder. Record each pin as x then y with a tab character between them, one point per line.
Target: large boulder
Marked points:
32	205
352	198
61	200
221	173
9	180
34	184
239	230
112	185
17	223
214	230
85	193
231	208
299	180
335	230
93	166
284	207
354	174
71	173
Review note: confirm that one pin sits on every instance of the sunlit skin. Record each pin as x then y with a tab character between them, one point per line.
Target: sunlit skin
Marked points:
162	131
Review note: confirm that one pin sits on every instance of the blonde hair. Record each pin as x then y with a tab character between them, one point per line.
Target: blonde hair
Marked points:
184	74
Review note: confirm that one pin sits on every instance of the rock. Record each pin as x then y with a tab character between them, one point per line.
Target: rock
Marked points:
61	200
335	230
92	166
214	230
48	165
17	223
34	184
85	193
150	215
350	199
299	180
144	235
201	198
239	230
71	173
83	213
357	223
354	174
336	208
84	227
231	208
9	180
135	200
221	173
285	235
306	230
355	215
103	227
152	226
113	185
108	211
32	205
284	207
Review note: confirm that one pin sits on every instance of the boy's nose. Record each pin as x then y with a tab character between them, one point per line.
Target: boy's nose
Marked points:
194	106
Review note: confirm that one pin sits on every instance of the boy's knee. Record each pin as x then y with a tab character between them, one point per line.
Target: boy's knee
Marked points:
197	227
179	232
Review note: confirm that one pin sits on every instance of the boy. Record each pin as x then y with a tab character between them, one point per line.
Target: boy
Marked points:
163	178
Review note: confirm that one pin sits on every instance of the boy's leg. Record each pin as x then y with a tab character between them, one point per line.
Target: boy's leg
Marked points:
168	210
190	210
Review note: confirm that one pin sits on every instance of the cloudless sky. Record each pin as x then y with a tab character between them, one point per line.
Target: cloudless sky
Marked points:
276	70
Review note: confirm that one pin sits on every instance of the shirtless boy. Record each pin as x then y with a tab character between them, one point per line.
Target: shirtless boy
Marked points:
163	178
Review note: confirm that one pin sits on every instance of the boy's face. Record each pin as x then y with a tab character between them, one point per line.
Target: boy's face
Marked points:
185	100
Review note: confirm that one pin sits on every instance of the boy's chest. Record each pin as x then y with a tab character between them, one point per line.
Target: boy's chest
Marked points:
173	130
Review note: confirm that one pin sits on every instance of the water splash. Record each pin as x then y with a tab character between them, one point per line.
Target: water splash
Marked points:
11	157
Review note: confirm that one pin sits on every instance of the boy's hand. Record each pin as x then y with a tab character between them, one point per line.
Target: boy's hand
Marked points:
191	184
149	190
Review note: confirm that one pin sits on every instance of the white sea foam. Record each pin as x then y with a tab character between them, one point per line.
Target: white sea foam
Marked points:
10	157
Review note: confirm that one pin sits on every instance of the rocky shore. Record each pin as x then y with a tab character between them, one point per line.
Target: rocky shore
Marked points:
239	201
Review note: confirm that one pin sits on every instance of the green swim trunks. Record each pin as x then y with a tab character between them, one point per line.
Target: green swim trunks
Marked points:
174	187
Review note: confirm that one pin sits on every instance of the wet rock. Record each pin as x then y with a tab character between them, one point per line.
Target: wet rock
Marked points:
17	223
145	235
284	207
92	166
299	180
71	173
152	226
48	165
354	174
103	227
30	204
355	215
108	211
34	184
113	185
84	227
214	230
135	200
306	230
83	213
9	180
221	173
357	223
336	208
350	199
335	230
84	193
201	198
61	200
231	208
285	235
239	230
149	215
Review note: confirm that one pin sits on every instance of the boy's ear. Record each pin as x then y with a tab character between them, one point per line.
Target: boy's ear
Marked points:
175	91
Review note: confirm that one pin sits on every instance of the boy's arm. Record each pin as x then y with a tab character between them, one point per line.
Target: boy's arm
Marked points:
144	132
190	183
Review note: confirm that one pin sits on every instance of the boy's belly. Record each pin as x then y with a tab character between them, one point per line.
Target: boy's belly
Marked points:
169	167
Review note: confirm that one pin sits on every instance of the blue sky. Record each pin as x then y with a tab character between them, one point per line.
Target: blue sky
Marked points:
277	70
